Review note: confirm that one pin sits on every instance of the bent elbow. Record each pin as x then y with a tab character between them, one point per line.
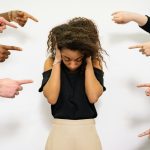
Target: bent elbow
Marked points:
94	98
52	102
50	99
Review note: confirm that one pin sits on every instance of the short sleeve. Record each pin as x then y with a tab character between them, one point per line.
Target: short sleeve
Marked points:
146	27
99	75
46	76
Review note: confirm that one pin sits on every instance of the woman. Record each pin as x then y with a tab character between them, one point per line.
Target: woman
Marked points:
72	83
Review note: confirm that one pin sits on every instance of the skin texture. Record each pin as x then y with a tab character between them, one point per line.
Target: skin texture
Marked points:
71	59
123	17
4	23
10	88
145	133
5	51
146	86
144	48
18	16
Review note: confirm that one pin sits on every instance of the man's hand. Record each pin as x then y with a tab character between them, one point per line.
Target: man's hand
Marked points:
10	88
123	17
20	17
143	48
147	86
4	51
4	23
145	133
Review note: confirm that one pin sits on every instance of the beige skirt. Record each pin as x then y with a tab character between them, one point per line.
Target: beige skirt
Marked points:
73	135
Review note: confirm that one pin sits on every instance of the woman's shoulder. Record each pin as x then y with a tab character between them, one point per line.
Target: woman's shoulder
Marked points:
48	63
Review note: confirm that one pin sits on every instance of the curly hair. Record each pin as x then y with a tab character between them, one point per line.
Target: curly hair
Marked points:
77	34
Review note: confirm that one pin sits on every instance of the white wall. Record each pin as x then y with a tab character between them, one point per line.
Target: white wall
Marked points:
123	109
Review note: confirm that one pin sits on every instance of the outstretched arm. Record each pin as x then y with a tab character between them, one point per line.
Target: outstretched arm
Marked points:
123	17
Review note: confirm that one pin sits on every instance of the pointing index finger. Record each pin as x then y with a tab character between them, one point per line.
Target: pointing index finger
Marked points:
144	85
135	46
9	24
12	48
31	17
24	81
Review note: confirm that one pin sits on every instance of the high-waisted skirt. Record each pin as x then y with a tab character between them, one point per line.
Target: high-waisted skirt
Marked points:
73	135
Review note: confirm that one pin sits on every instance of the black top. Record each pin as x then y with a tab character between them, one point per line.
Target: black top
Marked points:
146	27
72	102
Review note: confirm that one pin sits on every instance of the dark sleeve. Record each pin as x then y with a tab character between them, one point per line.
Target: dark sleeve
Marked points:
46	76
99	75
146	27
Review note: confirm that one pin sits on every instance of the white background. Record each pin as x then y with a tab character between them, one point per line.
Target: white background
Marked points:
124	110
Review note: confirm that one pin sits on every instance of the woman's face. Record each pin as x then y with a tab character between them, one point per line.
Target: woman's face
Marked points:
72	59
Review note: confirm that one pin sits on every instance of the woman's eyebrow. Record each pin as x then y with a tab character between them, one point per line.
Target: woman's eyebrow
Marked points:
66	57
79	57
70	58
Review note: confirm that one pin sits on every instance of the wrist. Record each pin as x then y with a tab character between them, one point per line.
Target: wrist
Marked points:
140	19
89	65
88	61
56	62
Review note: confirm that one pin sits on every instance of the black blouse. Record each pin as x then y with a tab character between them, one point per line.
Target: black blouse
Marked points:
146	27
72	102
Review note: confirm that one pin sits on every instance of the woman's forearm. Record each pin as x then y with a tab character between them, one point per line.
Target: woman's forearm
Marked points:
92	86
52	88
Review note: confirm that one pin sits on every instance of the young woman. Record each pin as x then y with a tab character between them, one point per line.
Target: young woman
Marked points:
72	83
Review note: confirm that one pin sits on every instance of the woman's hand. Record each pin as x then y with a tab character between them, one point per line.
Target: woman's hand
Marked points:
57	57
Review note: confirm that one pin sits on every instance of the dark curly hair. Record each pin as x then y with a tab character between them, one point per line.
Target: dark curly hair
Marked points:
77	34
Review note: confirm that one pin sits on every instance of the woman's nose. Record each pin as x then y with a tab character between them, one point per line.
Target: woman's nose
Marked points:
72	65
